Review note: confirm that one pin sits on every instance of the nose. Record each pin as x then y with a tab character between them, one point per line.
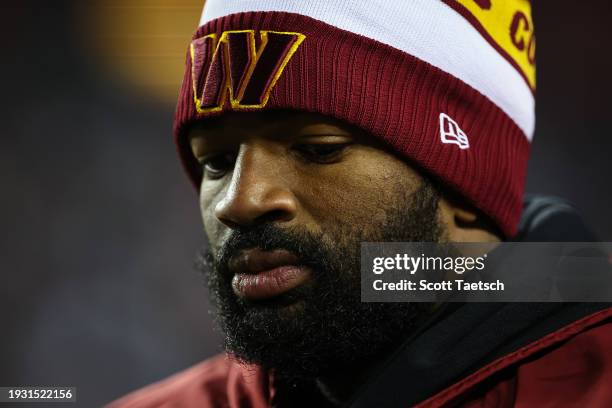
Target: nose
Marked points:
257	192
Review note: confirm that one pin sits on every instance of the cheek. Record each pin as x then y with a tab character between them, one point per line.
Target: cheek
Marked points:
209	197
360	190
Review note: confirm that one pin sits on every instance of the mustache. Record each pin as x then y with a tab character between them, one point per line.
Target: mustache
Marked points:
306	246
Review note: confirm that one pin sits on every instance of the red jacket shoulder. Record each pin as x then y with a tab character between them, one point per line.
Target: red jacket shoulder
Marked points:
216	382
569	367
578	372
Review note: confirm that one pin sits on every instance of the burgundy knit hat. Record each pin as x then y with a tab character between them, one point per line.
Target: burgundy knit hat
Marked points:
448	84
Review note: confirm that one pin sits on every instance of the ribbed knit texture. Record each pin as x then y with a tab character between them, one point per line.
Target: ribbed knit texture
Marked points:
395	97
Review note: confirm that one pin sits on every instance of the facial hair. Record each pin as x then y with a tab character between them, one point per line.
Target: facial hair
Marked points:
322	325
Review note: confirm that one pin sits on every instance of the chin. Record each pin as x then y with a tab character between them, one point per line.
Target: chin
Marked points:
282	307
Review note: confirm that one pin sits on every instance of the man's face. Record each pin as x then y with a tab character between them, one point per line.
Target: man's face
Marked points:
286	199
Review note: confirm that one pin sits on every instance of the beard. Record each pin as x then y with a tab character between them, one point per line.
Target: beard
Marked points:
321	325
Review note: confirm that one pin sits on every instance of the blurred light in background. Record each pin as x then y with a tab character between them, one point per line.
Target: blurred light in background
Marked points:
140	42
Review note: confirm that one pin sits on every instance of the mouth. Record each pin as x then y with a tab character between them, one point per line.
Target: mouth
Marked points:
261	275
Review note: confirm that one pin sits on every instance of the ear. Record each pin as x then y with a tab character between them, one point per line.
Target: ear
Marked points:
465	223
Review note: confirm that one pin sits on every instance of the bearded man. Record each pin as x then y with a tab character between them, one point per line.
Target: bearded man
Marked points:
309	127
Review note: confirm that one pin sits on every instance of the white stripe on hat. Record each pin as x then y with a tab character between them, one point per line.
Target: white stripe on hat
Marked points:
427	29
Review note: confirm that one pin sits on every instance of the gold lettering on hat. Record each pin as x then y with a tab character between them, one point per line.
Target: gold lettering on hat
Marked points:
239	67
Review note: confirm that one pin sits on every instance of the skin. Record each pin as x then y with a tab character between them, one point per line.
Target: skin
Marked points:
308	171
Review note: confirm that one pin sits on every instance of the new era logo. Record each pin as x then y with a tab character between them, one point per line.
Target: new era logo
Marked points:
451	133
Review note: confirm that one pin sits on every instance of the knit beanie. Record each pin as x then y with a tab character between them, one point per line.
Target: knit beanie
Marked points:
447	84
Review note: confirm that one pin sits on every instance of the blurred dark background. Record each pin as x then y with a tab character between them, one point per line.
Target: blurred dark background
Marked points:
100	226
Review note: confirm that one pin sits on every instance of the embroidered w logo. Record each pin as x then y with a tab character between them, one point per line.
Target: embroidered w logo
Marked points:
234	66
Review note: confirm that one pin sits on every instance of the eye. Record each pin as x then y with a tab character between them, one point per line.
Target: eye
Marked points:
321	152
217	165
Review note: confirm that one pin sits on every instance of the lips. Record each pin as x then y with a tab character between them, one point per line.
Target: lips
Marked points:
260	275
